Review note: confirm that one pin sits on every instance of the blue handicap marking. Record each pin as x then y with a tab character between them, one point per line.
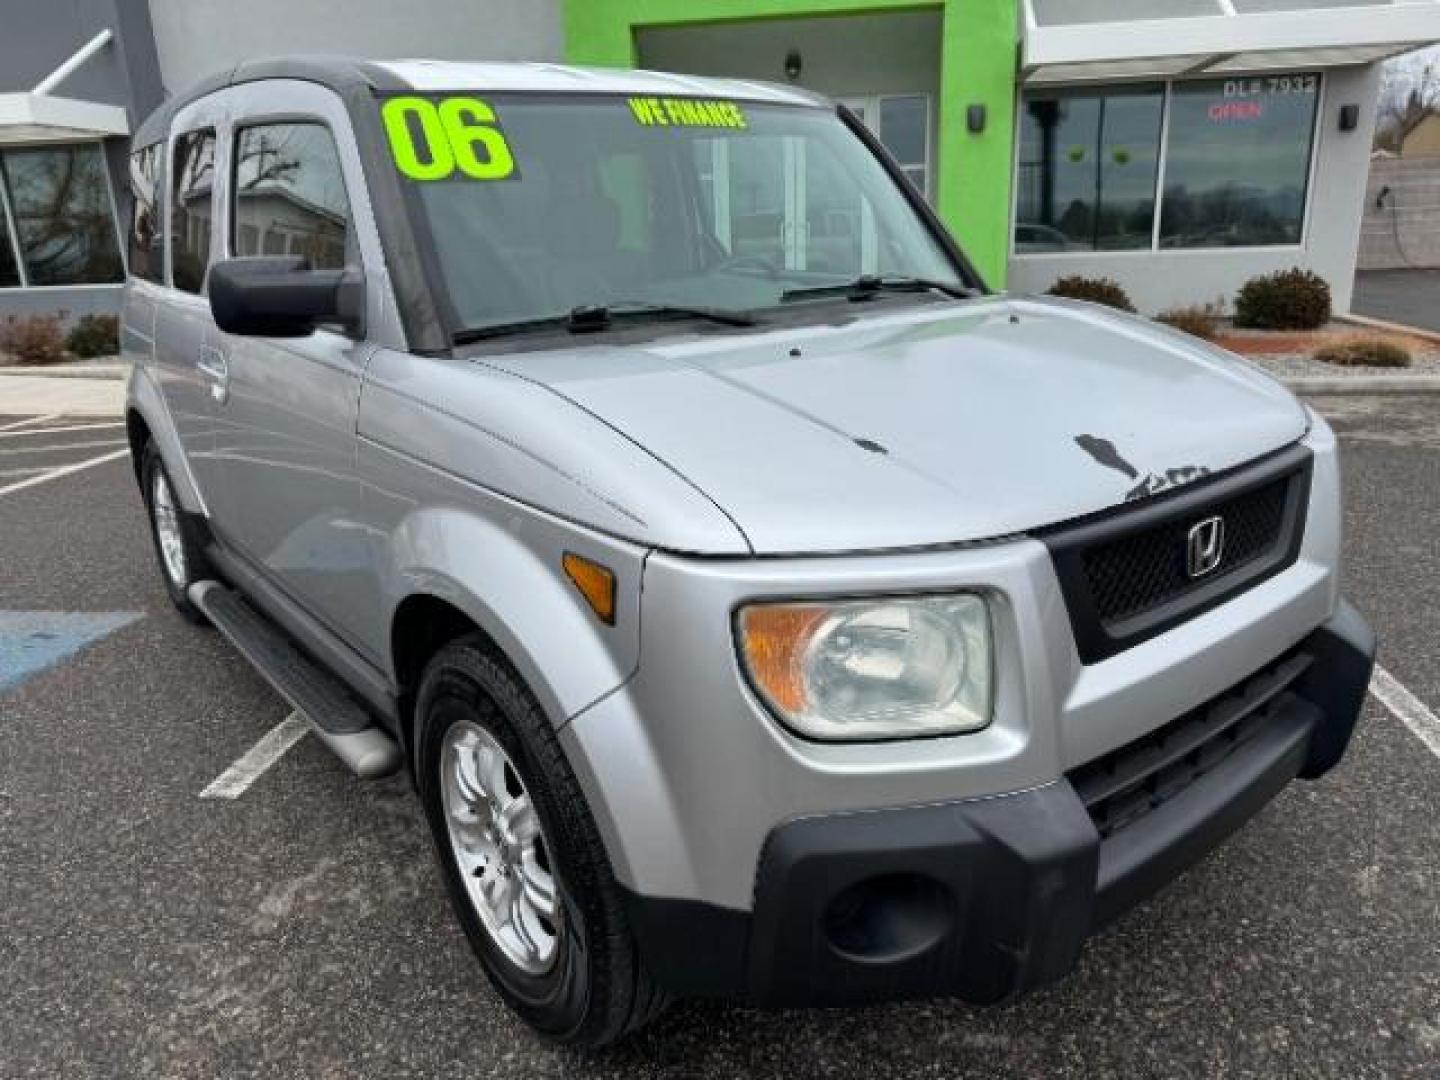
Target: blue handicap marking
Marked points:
31	641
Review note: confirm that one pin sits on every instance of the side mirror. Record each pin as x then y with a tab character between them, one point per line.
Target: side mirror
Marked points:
280	296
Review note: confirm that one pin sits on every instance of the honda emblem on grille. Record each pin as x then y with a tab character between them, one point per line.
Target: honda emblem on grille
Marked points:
1204	547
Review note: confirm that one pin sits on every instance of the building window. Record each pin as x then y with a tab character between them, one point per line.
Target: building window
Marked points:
191	212
1088	163
147	250
58	199
902	124
1238	161
1235	163
905	131
290	194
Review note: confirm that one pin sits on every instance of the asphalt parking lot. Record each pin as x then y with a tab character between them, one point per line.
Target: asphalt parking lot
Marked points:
1399	296
301	930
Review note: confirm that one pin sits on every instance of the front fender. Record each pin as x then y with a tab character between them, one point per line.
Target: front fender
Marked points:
143	396
504	572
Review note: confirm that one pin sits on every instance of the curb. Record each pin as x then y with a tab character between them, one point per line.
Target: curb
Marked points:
61	371
1391	327
1365	384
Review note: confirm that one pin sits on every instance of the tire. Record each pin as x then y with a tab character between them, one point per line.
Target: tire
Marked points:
184	562
592	988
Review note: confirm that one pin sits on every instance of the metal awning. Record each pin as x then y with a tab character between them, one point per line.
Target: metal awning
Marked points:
38	116
28	118
1085	40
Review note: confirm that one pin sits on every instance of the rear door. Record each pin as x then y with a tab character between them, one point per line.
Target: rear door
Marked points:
184	356
286	422
145	286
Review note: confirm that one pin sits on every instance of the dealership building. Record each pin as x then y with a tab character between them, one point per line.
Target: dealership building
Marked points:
1177	146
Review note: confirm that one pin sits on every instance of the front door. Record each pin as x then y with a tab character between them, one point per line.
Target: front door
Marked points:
286	423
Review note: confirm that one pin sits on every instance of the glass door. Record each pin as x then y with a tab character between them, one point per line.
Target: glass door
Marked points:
757	199
902	124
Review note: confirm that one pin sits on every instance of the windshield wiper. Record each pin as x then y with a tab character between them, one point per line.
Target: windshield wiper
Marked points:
589	318
868	285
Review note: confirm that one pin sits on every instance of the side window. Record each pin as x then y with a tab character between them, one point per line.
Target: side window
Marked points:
289	194
192	211
147	255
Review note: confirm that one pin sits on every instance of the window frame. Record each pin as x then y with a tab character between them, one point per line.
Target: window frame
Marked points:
284	118
12	236
1312	172
172	194
157	200
11	232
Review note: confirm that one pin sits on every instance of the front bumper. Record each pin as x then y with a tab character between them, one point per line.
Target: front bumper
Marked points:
989	898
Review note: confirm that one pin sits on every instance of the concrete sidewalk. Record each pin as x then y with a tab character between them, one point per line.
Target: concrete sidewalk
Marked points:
42	395
78	369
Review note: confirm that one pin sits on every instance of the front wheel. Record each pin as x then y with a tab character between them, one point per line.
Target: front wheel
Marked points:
182	559
522	858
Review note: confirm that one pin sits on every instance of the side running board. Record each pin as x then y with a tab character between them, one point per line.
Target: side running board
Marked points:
339	721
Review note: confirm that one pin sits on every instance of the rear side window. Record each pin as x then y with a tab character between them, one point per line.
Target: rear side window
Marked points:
147	253
289	195
192	210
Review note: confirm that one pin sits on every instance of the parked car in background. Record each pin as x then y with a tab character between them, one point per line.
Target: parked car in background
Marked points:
1032	238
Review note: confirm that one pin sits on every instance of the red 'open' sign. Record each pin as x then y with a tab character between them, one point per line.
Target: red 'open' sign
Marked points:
1227	111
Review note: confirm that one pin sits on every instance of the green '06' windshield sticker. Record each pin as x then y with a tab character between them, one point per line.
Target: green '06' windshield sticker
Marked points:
686	112
434	140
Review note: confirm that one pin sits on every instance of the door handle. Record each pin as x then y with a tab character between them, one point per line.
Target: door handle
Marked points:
213	365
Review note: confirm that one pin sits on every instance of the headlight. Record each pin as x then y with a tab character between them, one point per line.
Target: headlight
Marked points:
894	668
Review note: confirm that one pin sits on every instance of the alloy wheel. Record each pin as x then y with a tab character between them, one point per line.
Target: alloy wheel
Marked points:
500	848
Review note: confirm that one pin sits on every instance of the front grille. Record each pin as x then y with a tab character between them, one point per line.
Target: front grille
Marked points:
1124	785
1123	572
1147	569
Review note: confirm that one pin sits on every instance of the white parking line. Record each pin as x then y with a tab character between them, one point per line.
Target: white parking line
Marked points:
31	420
251	765
6	474
64	470
1408	709
88	444
7	431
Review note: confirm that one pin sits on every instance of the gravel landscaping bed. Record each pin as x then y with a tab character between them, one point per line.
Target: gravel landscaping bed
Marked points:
1301	366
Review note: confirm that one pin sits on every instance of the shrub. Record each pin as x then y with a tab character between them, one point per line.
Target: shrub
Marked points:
1365	352
36	339
94	335
1289	300
1202	320
1096	290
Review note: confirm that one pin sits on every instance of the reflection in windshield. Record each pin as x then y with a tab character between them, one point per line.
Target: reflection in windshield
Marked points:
603	208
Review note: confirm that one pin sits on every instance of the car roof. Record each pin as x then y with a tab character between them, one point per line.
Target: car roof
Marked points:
348	76
427	75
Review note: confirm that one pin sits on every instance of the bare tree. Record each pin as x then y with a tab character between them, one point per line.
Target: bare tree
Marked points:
1409	92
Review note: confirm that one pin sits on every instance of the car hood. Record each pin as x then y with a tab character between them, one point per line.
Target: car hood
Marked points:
922	425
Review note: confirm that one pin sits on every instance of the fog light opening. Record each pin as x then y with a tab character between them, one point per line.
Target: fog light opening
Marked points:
888	919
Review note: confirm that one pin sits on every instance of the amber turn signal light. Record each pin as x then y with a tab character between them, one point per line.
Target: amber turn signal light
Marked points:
596	584
774	638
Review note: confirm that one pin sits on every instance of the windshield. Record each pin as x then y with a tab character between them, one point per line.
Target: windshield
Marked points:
540	205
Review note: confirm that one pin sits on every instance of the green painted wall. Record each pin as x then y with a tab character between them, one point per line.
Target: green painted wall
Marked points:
977	59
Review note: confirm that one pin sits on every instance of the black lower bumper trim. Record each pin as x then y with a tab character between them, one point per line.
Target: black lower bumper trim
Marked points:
986	899
1136	862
